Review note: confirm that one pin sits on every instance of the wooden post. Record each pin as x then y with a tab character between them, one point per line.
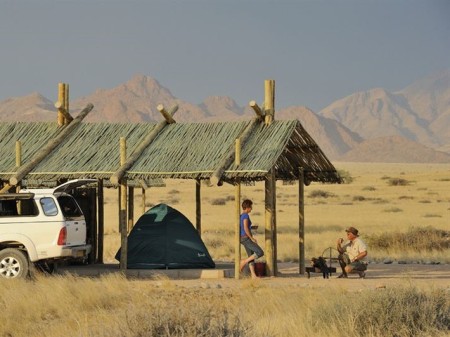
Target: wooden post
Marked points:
93	223
237	232
256	109
270	223
198	207
101	220
166	114
130	208
301	222
61	100
269	101
115	178
18	160
143	200
49	147
123	209
66	104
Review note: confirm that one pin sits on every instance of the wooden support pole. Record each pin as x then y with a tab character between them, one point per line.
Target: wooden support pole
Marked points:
49	147
130	208
269	101
166	114
115	178
18	159
93	224
301	222
269	231
101	220
61	109
67	117
61	100
237	231
123	210
256	109
143	200
198	207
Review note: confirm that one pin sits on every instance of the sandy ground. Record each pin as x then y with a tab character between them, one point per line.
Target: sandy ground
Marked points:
377	276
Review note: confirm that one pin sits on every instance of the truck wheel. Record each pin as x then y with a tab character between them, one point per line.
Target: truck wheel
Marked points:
13	264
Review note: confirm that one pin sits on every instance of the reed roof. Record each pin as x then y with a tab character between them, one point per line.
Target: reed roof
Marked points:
181	150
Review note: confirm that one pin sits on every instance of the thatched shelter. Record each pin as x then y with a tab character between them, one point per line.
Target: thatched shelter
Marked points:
268	150
181	151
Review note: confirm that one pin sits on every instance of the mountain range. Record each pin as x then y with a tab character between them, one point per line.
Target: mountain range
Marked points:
411	125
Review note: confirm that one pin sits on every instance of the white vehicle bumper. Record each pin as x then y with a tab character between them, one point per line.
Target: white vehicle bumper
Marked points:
76	251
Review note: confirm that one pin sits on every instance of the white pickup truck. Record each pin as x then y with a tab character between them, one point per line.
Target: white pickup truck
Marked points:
39	227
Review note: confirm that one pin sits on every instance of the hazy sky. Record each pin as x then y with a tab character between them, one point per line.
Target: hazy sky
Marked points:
317	51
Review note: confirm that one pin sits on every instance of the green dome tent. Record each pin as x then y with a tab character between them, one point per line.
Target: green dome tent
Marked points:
163	238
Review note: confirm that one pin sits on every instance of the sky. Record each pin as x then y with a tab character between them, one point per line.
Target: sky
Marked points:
317	51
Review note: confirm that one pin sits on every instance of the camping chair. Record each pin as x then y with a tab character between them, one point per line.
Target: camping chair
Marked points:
324	263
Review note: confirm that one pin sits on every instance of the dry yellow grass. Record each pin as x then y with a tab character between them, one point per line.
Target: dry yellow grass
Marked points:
370	203
114	306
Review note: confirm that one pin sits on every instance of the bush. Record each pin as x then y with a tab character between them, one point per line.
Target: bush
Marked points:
398	182
320	194
396	312
359	198
218	201
345	176
419	239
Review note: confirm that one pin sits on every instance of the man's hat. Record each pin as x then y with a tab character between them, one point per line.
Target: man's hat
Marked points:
352	230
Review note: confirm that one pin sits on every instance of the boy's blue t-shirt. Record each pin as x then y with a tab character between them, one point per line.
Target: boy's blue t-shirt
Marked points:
245	216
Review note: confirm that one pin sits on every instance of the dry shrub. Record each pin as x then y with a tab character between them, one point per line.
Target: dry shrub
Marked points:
398	182
419	239
393	210
321	194
359	198
396	312
218	201
115	306
345	176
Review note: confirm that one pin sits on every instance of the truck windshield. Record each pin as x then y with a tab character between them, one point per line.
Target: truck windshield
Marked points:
69	206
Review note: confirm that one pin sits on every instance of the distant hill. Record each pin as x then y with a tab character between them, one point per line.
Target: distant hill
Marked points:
356	128
420	112
394	149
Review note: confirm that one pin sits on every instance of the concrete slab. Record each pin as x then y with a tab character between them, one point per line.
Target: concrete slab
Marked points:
222	270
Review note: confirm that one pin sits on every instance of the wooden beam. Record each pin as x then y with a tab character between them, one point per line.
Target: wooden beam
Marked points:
166	114
269	101
67	117
301	222
115	178
269	231
217	175
130	208
61	109
237	230
143	200
18	159
51	145
101	220
61	99
259	113
198	206
123	210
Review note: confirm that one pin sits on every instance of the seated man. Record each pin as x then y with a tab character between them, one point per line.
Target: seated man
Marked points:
352	254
